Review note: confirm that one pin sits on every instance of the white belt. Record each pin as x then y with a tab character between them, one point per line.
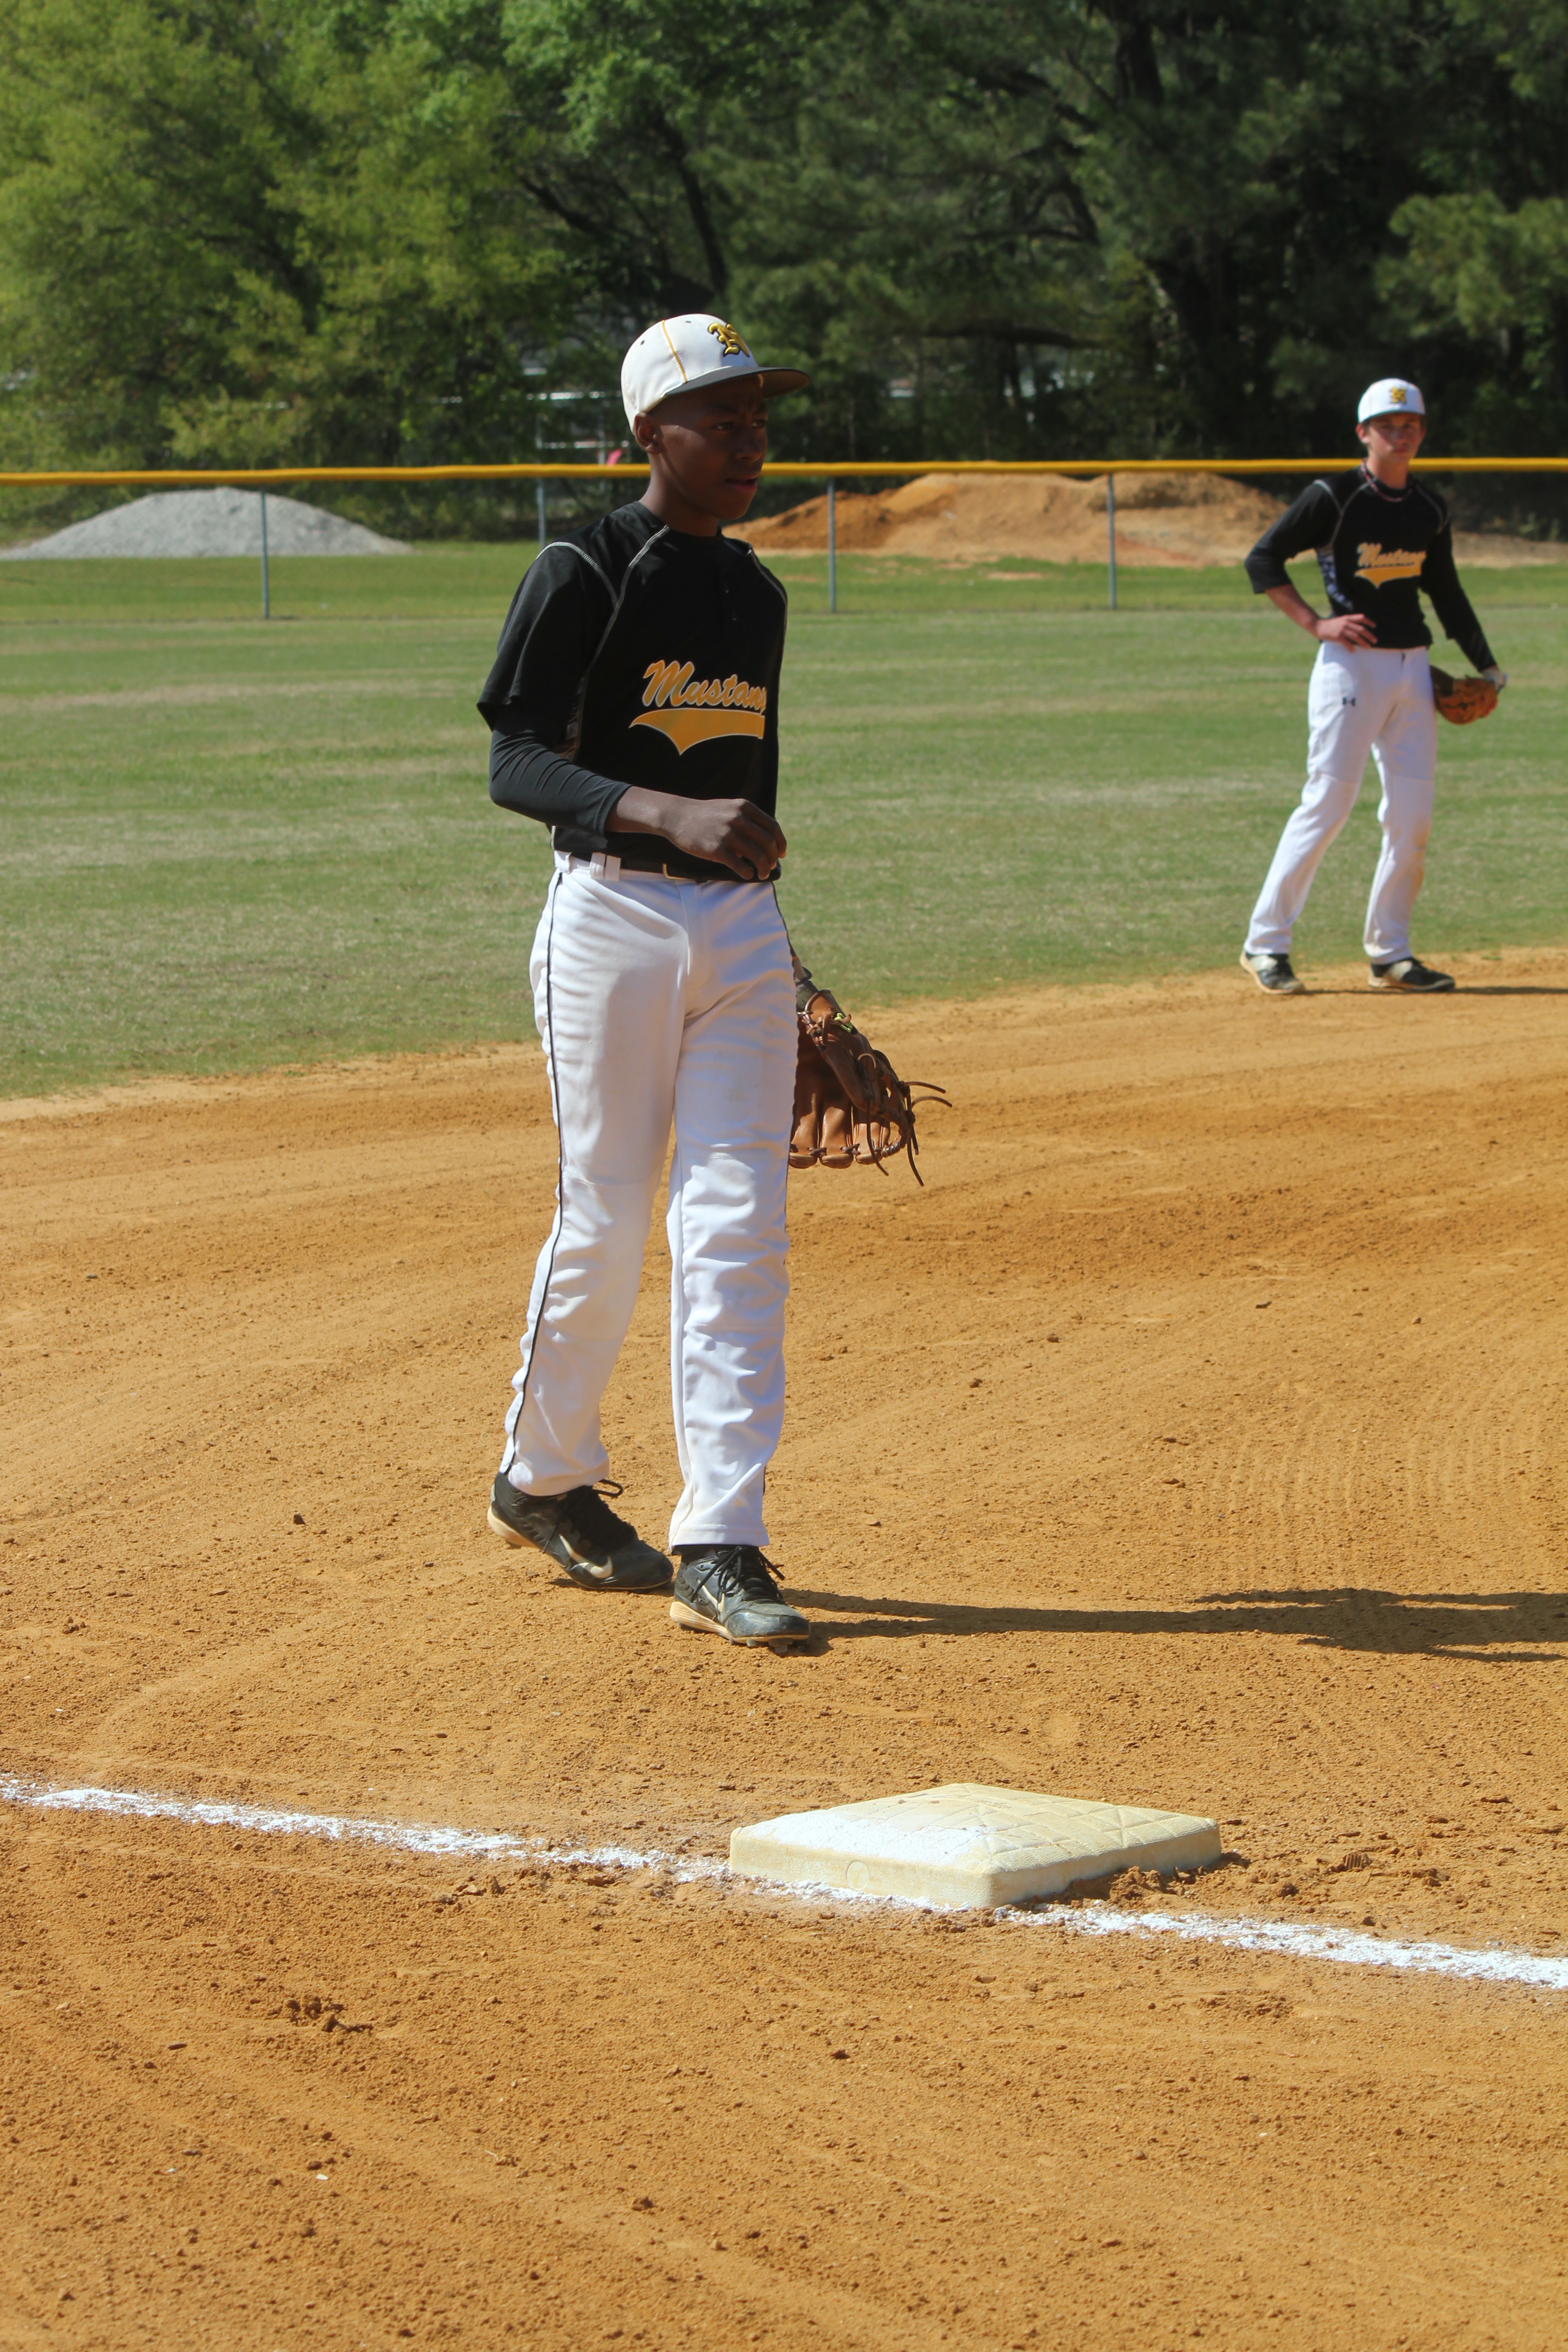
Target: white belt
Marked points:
601	866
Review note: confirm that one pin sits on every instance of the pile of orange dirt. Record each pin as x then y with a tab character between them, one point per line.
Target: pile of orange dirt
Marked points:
1161	518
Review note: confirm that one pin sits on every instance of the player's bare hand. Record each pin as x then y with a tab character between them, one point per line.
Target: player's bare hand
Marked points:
736	833
1346	629
1339	629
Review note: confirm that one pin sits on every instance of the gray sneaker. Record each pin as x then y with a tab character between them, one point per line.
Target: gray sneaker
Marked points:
1273	974
728	1589
1410	977
580	1533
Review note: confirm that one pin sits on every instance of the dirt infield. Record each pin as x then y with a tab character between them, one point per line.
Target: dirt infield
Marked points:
1193	1439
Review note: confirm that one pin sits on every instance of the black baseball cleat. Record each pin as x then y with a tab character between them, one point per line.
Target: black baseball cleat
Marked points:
580	1533
1273	974
728	1589
1410	977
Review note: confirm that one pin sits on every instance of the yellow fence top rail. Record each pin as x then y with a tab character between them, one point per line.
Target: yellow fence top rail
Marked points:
262	477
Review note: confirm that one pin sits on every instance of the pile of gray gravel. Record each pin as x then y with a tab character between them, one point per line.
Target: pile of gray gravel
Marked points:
209	522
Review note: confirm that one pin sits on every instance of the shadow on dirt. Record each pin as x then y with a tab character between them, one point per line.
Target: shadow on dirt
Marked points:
1360	991
1470	1625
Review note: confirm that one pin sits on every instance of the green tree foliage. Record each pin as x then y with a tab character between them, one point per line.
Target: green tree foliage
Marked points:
138	161
234	234
1481	270
383	230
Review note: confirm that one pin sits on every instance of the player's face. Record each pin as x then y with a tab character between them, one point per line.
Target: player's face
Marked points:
710	446
1397	434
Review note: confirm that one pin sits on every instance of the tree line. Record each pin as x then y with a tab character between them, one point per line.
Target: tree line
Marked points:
422	231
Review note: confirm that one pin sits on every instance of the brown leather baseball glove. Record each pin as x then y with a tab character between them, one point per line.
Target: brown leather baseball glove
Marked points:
850	1104
1460	701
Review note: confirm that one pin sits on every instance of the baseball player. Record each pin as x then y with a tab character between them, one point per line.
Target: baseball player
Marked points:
1379	539
633	710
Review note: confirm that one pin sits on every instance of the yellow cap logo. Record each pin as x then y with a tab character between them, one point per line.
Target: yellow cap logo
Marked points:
1398	395
732	345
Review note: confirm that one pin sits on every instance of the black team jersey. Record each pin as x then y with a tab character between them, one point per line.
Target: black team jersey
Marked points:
636	654
1376	549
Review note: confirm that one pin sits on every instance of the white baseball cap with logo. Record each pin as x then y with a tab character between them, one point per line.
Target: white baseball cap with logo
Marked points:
693	354
1391	396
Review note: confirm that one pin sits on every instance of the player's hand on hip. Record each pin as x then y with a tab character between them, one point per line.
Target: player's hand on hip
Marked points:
1346	629
736	833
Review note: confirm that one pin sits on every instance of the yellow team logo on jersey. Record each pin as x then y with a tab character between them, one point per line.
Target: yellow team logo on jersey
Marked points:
730	342
1382	564
687	710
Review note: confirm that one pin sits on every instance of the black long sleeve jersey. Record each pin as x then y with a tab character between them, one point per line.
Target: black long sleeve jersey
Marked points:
636	654
1376	549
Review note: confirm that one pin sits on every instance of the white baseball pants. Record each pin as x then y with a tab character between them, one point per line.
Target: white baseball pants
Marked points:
1359	701
662	1003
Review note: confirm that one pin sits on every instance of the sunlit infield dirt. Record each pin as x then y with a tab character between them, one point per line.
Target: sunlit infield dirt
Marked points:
1192	1439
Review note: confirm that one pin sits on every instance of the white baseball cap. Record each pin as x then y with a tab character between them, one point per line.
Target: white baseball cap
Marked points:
692	353
1391	396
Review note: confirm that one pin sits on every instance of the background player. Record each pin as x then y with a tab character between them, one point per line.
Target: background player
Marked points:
1379	539
634	705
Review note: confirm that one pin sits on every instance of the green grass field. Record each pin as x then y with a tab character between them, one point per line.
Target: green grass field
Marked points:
228	844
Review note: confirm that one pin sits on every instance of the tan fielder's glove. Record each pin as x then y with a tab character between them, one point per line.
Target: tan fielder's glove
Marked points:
1460	701
850	1104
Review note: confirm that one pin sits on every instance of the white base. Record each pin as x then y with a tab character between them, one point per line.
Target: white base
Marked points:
965	1845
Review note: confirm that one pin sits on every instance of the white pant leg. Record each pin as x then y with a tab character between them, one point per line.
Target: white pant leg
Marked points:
1346	704
1406	755
609	969
728	1240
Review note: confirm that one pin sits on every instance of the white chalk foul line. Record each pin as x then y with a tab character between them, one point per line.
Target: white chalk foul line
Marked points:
401	1837
1343	1946
1348	1946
